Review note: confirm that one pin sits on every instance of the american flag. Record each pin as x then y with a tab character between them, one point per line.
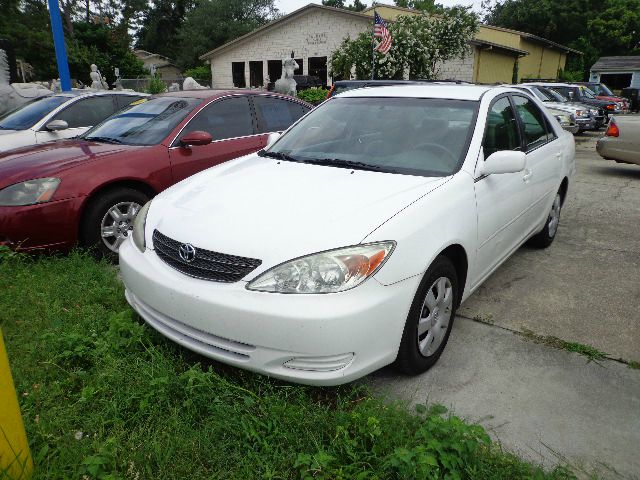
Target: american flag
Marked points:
381	31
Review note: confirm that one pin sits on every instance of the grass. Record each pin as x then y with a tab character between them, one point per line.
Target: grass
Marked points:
105	397
592	353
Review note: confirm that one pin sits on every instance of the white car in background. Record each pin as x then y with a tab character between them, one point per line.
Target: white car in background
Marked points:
60	116
349	243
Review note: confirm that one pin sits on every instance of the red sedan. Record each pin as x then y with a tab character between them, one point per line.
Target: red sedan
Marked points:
88	190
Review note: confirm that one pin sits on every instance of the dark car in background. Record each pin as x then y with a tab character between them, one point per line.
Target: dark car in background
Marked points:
604	93
582	94
88	190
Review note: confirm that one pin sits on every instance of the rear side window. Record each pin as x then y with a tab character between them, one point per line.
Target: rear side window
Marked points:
533	122
227	118
502	129
88	111
276	114
126	100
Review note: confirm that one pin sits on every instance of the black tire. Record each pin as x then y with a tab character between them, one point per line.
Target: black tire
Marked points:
410	359
95	212
545	237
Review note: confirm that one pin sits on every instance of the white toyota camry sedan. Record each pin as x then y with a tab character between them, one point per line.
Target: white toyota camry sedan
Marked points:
349	242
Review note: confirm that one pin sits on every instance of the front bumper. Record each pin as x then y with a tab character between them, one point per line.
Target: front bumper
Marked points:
586	123
46	226
330	338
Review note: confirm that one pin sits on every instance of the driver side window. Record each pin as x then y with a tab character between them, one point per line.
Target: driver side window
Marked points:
501	132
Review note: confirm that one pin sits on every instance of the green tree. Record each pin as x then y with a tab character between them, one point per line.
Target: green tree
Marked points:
420	44
422	5
214	22
356	6
597	28
160	25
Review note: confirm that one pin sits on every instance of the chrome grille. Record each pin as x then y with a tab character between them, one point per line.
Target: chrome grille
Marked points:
207	265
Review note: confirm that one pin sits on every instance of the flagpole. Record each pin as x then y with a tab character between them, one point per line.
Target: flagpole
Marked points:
373	48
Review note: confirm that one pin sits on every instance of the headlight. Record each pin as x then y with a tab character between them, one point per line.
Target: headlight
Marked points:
138	227
580	113
326	272
30	192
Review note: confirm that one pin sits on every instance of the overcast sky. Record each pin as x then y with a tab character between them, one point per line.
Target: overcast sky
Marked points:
288	6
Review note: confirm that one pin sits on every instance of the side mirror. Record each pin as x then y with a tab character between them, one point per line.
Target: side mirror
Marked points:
272	138
56	125
196	138
504	161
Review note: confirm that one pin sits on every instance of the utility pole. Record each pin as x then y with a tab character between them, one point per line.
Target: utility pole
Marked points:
58	43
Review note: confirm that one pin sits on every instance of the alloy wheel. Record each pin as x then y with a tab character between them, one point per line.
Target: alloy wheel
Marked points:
435	316
117	224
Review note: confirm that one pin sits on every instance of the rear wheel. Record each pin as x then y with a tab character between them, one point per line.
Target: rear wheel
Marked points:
108	220
548	233
430	318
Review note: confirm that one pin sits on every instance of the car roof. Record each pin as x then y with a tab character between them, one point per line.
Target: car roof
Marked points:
79	92
207	93
448	91
551	84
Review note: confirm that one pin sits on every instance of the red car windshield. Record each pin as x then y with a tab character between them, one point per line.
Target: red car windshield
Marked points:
143	123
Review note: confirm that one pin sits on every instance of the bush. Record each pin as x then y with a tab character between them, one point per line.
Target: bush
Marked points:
313	95
201	74
156	85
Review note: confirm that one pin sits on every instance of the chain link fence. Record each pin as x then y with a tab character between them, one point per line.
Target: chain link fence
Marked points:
141	84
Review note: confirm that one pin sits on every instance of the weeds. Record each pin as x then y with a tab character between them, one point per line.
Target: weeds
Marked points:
104	397
592	353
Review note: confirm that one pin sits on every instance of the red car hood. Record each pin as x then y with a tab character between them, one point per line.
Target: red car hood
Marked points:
48	159
610	99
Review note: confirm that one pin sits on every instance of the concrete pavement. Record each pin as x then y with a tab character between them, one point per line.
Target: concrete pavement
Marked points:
547	405
586	287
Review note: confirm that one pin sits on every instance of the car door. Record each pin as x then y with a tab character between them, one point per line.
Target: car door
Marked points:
275	114
502	200
544	157
230	123
80	116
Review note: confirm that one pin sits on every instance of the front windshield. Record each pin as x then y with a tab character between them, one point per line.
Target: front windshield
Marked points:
143	123
587	93
543	95
553	95
602	89
27	115
415	136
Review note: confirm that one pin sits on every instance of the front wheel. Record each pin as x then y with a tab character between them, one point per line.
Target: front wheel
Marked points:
548	233
430	318
108	220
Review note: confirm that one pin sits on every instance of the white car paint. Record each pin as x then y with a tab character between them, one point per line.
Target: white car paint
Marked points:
38	133
276	211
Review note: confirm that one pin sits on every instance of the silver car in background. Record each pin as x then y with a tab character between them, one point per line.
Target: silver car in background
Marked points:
621	142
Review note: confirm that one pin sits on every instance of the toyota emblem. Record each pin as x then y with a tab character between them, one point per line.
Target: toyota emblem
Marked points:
187	252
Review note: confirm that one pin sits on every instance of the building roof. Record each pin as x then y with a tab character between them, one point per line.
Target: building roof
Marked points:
617	63
491	45
282	20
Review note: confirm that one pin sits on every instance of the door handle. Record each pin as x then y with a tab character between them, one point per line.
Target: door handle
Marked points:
527	175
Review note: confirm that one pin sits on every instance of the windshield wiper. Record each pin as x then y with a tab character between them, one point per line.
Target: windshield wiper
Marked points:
337	162
105	140
278	155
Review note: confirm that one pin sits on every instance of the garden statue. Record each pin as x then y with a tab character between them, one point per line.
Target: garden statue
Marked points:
286	84
190	84
12	95
174	87
55	85
118	82
96	78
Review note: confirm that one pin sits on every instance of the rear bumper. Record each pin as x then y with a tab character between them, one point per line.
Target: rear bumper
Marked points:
48	226
612	149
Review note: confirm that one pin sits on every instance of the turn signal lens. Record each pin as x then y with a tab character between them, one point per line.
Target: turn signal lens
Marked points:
612	130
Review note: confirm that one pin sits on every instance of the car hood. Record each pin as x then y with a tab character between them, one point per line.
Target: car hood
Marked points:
278	210
609	98
48	159
8	132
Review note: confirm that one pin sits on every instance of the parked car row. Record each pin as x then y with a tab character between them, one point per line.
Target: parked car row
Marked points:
87	190
316	256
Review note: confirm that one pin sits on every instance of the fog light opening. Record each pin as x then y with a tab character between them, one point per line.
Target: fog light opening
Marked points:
320	364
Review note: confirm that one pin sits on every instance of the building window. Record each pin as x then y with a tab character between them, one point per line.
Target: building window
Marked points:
237	72
274	69
318	68
298	71
255	74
